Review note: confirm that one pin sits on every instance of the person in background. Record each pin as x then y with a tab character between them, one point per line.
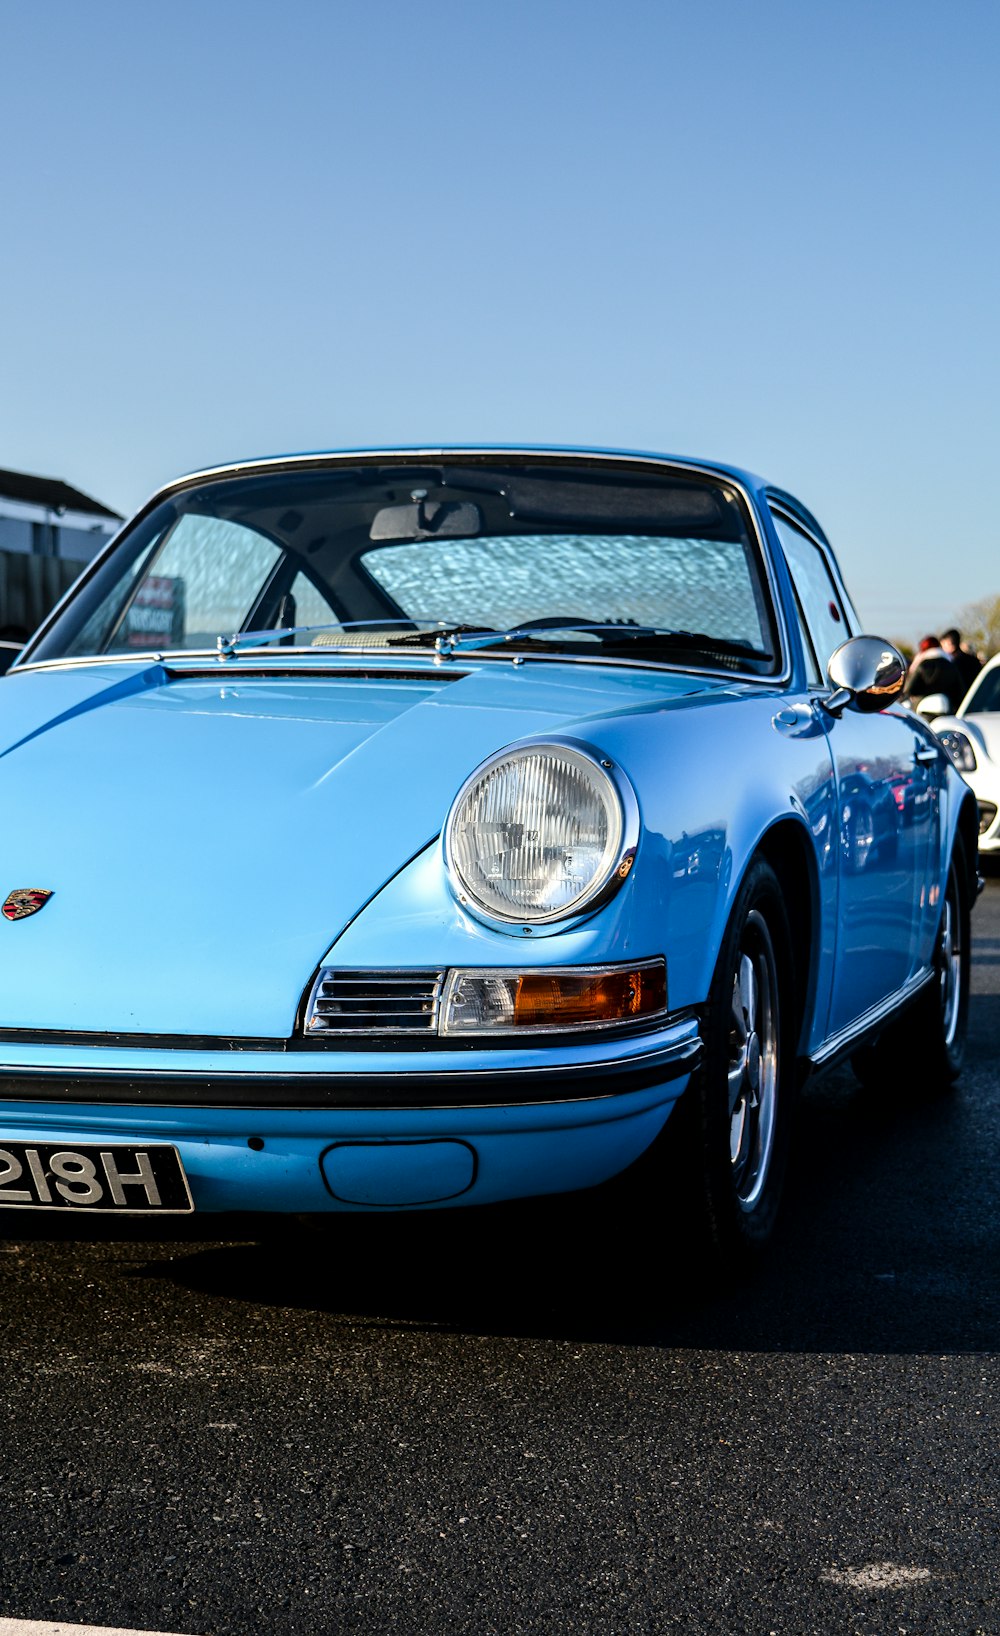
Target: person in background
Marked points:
932	671
962	656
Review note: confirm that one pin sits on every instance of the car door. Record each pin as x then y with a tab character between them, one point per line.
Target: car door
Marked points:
888	779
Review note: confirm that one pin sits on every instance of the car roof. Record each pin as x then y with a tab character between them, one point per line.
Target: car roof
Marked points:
422	451
499	451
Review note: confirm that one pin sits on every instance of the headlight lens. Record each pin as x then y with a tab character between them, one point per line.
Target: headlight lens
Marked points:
960	749
536	834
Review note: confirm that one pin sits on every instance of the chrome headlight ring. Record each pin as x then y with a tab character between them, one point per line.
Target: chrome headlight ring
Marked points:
541	834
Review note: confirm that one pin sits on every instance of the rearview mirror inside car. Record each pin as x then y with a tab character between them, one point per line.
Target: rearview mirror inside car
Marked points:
427	519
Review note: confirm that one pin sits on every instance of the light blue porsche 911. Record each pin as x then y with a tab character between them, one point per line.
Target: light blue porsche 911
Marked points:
416	829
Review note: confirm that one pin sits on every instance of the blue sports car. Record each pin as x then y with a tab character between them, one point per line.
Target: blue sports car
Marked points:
415	829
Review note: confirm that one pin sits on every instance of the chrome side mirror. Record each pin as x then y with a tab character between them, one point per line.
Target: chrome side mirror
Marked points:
864	672
935	704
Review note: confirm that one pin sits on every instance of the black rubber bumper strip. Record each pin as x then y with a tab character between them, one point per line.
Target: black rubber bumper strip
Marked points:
481	1087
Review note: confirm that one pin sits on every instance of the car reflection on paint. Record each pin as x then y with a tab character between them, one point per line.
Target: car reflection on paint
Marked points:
912	798
869	814
700	855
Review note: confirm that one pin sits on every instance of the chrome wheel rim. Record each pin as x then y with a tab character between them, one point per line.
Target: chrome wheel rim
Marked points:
949	960
753	1061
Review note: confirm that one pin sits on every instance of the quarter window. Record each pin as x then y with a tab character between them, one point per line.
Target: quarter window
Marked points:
309	604
817	594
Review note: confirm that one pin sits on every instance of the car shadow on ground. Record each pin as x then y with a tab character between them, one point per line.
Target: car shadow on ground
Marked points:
888	1243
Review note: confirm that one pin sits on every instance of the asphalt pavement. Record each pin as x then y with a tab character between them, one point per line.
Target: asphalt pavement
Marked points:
523	1419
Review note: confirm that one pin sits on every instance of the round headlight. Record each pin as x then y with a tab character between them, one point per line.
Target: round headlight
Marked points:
536	834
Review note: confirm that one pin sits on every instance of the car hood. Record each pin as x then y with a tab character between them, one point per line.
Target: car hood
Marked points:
206	836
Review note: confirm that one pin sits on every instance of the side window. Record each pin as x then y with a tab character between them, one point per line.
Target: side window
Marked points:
199	584
817	595
309	603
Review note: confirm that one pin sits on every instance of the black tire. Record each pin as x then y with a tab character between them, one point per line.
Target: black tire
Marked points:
730	1136
926	1045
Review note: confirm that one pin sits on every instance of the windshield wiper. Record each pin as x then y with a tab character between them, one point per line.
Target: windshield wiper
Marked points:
608	634
702	641
446	639
450	638
228	646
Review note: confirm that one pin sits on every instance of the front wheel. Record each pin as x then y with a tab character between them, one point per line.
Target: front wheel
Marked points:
731	1132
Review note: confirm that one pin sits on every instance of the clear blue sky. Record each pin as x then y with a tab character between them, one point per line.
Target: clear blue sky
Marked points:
765	232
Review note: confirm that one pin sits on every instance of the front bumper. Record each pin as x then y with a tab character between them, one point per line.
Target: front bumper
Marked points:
531	1121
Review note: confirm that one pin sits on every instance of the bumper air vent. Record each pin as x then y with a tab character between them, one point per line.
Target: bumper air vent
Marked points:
374	1002
987	813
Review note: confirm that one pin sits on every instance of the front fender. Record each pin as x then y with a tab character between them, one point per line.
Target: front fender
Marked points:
713	777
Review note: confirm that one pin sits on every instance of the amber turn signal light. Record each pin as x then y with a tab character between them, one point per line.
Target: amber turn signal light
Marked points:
611	996
500	1001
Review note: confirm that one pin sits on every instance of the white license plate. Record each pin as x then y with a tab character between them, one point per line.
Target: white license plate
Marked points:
138	1181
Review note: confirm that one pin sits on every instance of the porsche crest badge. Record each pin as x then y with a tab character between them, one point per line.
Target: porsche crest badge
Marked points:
25	900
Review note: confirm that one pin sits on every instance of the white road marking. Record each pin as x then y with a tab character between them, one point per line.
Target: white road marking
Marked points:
874	1576
44	1627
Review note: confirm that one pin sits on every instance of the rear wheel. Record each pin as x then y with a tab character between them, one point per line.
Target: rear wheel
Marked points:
947	1019
927	1044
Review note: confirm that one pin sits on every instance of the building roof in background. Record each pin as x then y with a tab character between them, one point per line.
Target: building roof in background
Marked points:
50	492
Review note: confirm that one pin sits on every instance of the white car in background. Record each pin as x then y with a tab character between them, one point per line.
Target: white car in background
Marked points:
972	739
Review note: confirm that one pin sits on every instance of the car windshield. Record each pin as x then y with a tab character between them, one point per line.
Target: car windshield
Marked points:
986	695
566	558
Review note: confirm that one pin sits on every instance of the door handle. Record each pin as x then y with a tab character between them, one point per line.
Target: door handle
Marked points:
927	756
